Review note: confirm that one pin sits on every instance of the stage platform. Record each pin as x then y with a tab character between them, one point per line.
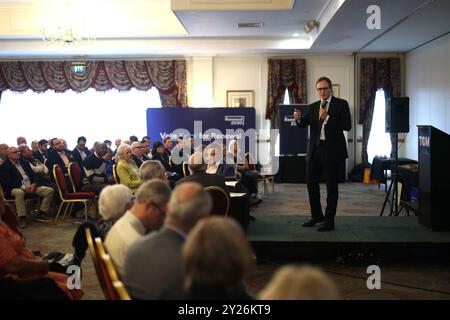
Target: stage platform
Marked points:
284	235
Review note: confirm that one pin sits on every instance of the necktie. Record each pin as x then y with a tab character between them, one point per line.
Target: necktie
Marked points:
323	104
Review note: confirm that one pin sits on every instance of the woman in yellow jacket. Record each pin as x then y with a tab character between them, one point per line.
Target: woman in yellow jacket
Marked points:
126	169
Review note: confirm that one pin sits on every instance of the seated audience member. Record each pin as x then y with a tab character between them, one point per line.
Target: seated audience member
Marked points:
57	155
216	258
34	145
108	143
67	151
113	202
20	263
299	283
159	155
3	152
127	170
152	169
18	179
153	262
137	155
109	163
41	171
133	139
95	170
216	164
179	155
41	153
21	140
247	178
198	167
80	152
147	213
145	139
117	143
146	152
168	146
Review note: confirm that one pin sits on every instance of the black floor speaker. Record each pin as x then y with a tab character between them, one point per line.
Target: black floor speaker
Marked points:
397	115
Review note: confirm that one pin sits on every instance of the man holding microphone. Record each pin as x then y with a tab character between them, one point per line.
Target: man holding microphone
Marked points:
327	150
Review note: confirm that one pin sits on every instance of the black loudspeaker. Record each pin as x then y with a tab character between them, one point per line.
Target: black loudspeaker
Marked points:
397	115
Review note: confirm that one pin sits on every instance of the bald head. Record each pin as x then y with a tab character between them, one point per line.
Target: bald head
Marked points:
21	140
188	204
13	154
4	149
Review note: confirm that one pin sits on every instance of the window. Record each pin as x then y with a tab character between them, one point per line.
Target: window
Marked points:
379	140
96	115
286	97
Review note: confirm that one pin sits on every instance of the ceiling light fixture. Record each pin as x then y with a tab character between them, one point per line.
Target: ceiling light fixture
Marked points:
65	23
311	25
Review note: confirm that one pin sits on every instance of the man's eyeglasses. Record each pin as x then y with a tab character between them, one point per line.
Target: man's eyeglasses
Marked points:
322	89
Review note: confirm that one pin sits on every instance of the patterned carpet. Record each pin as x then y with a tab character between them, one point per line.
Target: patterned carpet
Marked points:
416	279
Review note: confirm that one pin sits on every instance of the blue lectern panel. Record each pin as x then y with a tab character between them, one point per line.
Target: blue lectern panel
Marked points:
293	140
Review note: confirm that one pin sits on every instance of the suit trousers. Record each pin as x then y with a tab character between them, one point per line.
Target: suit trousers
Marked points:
19	198
322	164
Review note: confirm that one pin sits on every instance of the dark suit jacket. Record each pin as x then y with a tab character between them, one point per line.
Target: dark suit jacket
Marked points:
11	178
164	159
206	180
338	121
77	156
54	158
226	170
40	156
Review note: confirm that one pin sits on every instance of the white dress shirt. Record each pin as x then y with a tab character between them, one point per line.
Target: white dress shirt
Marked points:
322	131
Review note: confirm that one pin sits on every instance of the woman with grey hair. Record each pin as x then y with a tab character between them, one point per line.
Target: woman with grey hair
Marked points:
127	170
113	202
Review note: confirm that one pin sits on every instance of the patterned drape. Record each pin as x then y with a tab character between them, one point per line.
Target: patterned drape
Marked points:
383	73
169	77
286	73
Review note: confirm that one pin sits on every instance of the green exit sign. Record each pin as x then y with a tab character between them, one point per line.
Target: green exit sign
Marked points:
79	68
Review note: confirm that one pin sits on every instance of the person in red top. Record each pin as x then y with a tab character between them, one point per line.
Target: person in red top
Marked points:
18	261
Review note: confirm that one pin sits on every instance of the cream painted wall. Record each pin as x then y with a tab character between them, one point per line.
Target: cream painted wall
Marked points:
428	87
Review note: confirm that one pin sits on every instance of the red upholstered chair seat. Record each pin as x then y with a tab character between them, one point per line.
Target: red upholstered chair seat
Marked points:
79	195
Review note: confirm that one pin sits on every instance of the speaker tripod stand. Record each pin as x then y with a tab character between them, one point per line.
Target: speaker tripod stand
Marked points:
394	210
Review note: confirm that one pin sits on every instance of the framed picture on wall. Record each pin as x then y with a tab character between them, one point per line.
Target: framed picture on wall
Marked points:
336	90
240	98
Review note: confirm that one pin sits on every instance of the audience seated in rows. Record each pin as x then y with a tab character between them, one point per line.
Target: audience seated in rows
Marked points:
198	167
20	263
126	168
293	282
216	258
147	213
113	202
18	179
153	263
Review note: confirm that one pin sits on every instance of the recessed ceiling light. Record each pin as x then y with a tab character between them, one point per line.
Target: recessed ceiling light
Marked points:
296	34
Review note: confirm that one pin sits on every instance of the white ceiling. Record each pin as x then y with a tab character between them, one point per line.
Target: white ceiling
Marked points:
143	28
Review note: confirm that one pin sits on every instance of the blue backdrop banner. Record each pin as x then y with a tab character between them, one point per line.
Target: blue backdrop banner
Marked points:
208	124
293	140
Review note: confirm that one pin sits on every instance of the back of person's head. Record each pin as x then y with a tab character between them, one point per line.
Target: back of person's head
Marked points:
293	282
155	191
114	201
152	169
82	138
133	139
216	253
188	204
196	163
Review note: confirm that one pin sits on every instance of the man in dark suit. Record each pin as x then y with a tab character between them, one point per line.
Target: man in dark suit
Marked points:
327	149
80	152
18	180
57	155
198	167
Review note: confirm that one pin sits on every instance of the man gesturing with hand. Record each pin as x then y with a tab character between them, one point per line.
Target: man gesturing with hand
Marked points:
327	150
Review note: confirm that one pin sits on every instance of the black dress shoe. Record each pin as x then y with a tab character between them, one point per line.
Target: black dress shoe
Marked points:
326	226
311	222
